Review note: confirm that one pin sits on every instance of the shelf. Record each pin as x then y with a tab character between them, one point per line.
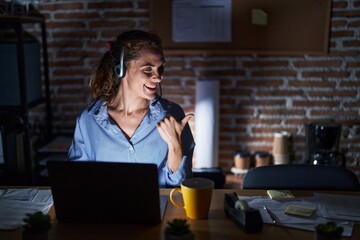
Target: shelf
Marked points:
22	109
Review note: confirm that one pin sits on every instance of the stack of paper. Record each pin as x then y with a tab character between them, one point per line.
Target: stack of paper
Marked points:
341	209
16	203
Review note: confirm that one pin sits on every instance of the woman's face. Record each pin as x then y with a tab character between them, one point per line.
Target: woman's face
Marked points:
145	73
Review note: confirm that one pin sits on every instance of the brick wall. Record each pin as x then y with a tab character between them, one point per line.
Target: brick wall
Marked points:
259	94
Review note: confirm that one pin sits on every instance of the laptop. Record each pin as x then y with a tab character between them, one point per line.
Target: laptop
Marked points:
106	192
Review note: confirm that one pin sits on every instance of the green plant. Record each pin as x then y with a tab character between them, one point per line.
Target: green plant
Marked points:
329	229
177	227
37	223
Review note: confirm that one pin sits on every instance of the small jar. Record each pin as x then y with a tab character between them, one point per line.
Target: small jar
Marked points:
262	159
242	160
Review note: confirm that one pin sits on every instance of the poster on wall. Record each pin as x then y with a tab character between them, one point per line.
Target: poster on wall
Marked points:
201	21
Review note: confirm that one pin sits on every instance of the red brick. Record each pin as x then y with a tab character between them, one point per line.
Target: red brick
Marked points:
352	43
110	5
331	74
268	73
349	13
281	111
317	103
334	93
257	64
204	73
318	63
60	6
279	93
213	63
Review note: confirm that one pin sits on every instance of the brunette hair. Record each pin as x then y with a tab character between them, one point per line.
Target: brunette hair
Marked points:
104	83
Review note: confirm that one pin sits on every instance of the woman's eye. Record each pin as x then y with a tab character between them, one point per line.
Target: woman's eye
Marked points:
147	70
161	70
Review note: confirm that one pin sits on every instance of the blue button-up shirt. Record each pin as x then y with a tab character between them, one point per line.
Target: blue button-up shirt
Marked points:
98	138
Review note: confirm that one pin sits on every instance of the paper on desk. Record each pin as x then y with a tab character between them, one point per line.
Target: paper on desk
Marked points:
16	203
277	208
339	206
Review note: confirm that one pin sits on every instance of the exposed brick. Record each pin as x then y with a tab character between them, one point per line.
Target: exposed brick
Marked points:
270	103
312	84
317	104
345	53
259	83
353	64
60	6
330	74
344	33
339	4
259	93
75	34
353	43
110	5
204	73
349	14
279	93
333	93
61	25
338	23
268	73
126	14
354	24
259	64
214	63
77	15
318	63
337	113
352	104
282	111
102	24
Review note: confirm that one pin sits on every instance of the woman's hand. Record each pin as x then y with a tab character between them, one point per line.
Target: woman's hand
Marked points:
170	130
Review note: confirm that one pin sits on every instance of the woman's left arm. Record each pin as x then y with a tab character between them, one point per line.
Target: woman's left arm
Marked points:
170	130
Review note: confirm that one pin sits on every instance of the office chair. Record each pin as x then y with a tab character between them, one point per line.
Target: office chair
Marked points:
301	176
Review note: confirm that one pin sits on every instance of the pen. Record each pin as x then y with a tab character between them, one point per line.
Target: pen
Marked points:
270	214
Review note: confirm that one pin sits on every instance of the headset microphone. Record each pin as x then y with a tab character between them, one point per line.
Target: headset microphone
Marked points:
159	96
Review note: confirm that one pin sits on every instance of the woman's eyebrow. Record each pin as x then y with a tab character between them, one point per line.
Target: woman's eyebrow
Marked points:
151	65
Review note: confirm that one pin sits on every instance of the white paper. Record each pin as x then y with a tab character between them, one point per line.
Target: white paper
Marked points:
206	124
201	20
16	203
277	208
339	206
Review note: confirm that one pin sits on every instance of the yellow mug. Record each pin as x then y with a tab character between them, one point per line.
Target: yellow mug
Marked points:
196	195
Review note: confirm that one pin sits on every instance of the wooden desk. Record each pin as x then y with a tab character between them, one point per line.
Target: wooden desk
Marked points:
216	227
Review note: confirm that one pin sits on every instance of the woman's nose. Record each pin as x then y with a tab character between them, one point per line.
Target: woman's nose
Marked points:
157	76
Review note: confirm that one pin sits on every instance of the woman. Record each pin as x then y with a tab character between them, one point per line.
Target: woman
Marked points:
128	121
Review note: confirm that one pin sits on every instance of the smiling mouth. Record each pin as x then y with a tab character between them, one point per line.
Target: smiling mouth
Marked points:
151	89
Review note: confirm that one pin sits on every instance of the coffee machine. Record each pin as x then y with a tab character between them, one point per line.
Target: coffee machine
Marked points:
322	144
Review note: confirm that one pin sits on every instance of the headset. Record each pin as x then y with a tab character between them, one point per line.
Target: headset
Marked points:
120	71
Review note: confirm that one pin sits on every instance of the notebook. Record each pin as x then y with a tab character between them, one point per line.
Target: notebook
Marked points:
106	192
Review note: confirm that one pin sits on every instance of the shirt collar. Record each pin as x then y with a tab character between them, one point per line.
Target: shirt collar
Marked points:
99	110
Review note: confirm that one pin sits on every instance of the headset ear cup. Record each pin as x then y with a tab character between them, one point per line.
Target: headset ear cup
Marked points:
120	69
117	71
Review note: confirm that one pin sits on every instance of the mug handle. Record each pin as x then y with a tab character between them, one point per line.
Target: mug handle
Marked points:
176	204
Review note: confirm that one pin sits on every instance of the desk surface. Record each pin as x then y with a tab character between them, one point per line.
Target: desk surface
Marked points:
218	226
